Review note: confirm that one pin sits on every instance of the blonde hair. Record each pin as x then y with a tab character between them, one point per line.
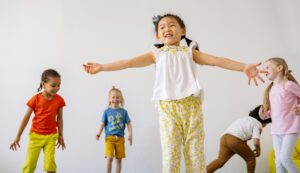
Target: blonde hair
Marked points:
120	93
287	76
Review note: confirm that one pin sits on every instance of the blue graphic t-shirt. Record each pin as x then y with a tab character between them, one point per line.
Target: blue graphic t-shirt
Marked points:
115	121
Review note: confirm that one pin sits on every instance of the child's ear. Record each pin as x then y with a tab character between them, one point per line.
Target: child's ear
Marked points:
183	32
280	67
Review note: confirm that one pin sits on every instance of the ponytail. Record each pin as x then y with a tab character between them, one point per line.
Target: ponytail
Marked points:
266	100
289	76
40	87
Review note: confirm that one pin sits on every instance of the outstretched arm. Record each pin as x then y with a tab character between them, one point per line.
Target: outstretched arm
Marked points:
24	123
139	61
249	69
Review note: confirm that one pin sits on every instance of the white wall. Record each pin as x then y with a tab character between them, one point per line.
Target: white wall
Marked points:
63	34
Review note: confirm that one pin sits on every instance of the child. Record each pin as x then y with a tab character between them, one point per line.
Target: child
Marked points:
47	124
234	141
114	119
281	103
177	89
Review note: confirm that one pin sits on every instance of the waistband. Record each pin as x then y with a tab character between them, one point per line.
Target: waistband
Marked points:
183	100
114	136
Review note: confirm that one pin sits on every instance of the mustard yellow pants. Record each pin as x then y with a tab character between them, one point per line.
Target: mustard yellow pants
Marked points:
181	125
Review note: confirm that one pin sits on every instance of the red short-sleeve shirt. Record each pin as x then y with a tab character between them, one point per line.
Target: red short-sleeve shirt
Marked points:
45	119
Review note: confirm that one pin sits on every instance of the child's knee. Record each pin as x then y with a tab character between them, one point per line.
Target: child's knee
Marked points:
49	162
29	165
119	161
109	159
220	163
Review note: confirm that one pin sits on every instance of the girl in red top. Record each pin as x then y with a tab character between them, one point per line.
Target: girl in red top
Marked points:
47	123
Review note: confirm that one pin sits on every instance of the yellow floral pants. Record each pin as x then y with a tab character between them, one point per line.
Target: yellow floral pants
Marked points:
181	125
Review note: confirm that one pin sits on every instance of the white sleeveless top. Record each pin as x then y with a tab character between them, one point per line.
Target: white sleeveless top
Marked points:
176	74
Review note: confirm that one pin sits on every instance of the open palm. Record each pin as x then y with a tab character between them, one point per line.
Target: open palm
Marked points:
252	73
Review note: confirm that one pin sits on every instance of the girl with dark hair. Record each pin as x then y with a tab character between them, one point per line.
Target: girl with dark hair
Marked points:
47	124
234	141
177	90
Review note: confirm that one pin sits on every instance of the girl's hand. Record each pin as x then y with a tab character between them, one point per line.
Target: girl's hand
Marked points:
97	137
60	142
130	140
264	114
92	68
256	152
252	72
297	110
15	144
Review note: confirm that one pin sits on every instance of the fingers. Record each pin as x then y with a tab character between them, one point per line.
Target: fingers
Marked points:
90	63
260	78
256	153
130	141
257	64
255	81
87	67
262	71
63	146
297	111
14	146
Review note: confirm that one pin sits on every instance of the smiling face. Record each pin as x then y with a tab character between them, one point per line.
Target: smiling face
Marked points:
273	69
169	31
51	87
115	99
